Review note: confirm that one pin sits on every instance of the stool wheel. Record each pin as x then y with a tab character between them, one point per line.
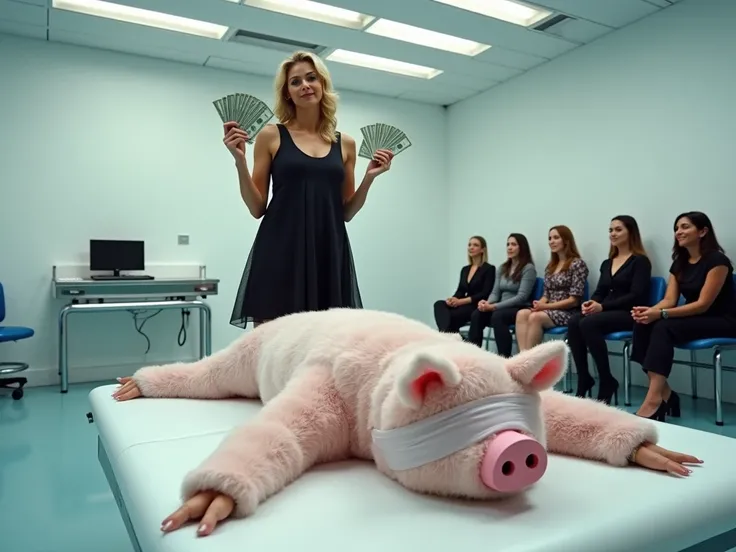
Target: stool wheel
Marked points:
17	394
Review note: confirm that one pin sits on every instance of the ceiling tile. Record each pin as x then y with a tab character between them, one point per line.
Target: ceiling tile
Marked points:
42	3
20	12
509	58
125	46
578	30
613	13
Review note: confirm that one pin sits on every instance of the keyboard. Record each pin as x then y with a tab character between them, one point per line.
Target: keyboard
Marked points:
126	277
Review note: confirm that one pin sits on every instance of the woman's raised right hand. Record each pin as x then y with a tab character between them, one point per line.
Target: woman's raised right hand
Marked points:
235	139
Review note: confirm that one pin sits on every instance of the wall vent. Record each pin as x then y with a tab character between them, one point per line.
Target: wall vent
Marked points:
275	42
551	22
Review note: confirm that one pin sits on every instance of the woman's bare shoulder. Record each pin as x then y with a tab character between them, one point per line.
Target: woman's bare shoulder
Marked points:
347	139
269	137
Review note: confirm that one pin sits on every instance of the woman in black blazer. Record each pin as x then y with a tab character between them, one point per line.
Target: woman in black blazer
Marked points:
476	283
624	283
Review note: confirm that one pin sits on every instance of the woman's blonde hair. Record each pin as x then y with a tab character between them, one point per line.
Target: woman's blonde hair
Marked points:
284	108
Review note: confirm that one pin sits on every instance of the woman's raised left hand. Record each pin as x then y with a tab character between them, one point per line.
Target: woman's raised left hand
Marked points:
380	163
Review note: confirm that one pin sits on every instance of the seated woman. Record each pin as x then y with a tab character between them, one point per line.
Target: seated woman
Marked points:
564	287
476	283
623	283
703	275
512	291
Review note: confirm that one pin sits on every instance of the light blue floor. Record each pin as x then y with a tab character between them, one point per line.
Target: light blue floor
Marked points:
54	496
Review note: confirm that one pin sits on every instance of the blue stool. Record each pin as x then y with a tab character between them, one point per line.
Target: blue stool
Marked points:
12	333
657	289
717	345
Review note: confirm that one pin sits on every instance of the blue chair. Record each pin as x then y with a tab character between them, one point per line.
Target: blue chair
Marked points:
538	290
537	293
717	345
657	289
12	333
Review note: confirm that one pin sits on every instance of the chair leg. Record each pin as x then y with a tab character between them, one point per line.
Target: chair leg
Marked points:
694	374
568	377
718	385
627	373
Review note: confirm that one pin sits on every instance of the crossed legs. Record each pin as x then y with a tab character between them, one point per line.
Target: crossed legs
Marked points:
530	326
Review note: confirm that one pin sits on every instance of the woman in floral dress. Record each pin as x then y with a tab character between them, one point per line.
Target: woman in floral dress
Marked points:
564	286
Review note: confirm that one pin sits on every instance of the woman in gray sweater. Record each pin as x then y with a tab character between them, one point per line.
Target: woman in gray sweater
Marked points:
512	291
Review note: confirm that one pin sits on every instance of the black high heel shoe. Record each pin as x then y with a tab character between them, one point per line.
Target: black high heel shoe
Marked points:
585	386
673	405
661	413
607	389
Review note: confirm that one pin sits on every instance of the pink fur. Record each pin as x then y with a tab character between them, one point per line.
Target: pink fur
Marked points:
328	378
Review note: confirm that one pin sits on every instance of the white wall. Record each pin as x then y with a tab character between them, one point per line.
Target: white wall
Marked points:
100	144
640	122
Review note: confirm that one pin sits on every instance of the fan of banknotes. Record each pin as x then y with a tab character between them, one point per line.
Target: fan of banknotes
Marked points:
249	112
382	136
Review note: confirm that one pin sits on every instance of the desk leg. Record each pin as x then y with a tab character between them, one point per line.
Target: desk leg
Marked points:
63	351
205	331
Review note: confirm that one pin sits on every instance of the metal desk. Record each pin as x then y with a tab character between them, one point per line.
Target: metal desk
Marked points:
89	295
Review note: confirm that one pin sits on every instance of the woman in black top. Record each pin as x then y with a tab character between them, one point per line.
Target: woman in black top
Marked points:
476	283
623	283
703	275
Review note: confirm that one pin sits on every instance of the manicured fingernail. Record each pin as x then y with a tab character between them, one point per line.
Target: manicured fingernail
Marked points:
202	528
166	526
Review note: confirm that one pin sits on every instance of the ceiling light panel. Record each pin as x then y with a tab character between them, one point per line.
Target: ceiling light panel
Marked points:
518	13
316	11
128	14
383	64
425	37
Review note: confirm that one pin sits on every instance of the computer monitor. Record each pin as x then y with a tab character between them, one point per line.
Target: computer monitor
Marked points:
116	255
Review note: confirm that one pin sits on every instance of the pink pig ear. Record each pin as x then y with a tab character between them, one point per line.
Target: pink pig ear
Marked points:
421	371
540	367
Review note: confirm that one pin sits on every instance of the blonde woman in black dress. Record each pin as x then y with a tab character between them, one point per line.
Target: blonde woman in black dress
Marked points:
301	258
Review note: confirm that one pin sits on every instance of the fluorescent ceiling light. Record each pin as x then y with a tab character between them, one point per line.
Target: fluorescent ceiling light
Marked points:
306	9
518	13
139	16
383	64
424	37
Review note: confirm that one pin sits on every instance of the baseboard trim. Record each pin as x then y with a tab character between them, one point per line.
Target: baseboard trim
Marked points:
43	377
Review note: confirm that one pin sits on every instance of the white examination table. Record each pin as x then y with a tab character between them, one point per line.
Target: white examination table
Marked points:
146	446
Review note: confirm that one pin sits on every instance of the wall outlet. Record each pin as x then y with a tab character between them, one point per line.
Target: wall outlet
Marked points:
183	239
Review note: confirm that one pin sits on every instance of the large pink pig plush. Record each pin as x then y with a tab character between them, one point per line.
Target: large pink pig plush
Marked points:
436	414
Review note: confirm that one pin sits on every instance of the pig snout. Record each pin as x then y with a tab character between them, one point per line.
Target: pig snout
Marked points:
512	462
